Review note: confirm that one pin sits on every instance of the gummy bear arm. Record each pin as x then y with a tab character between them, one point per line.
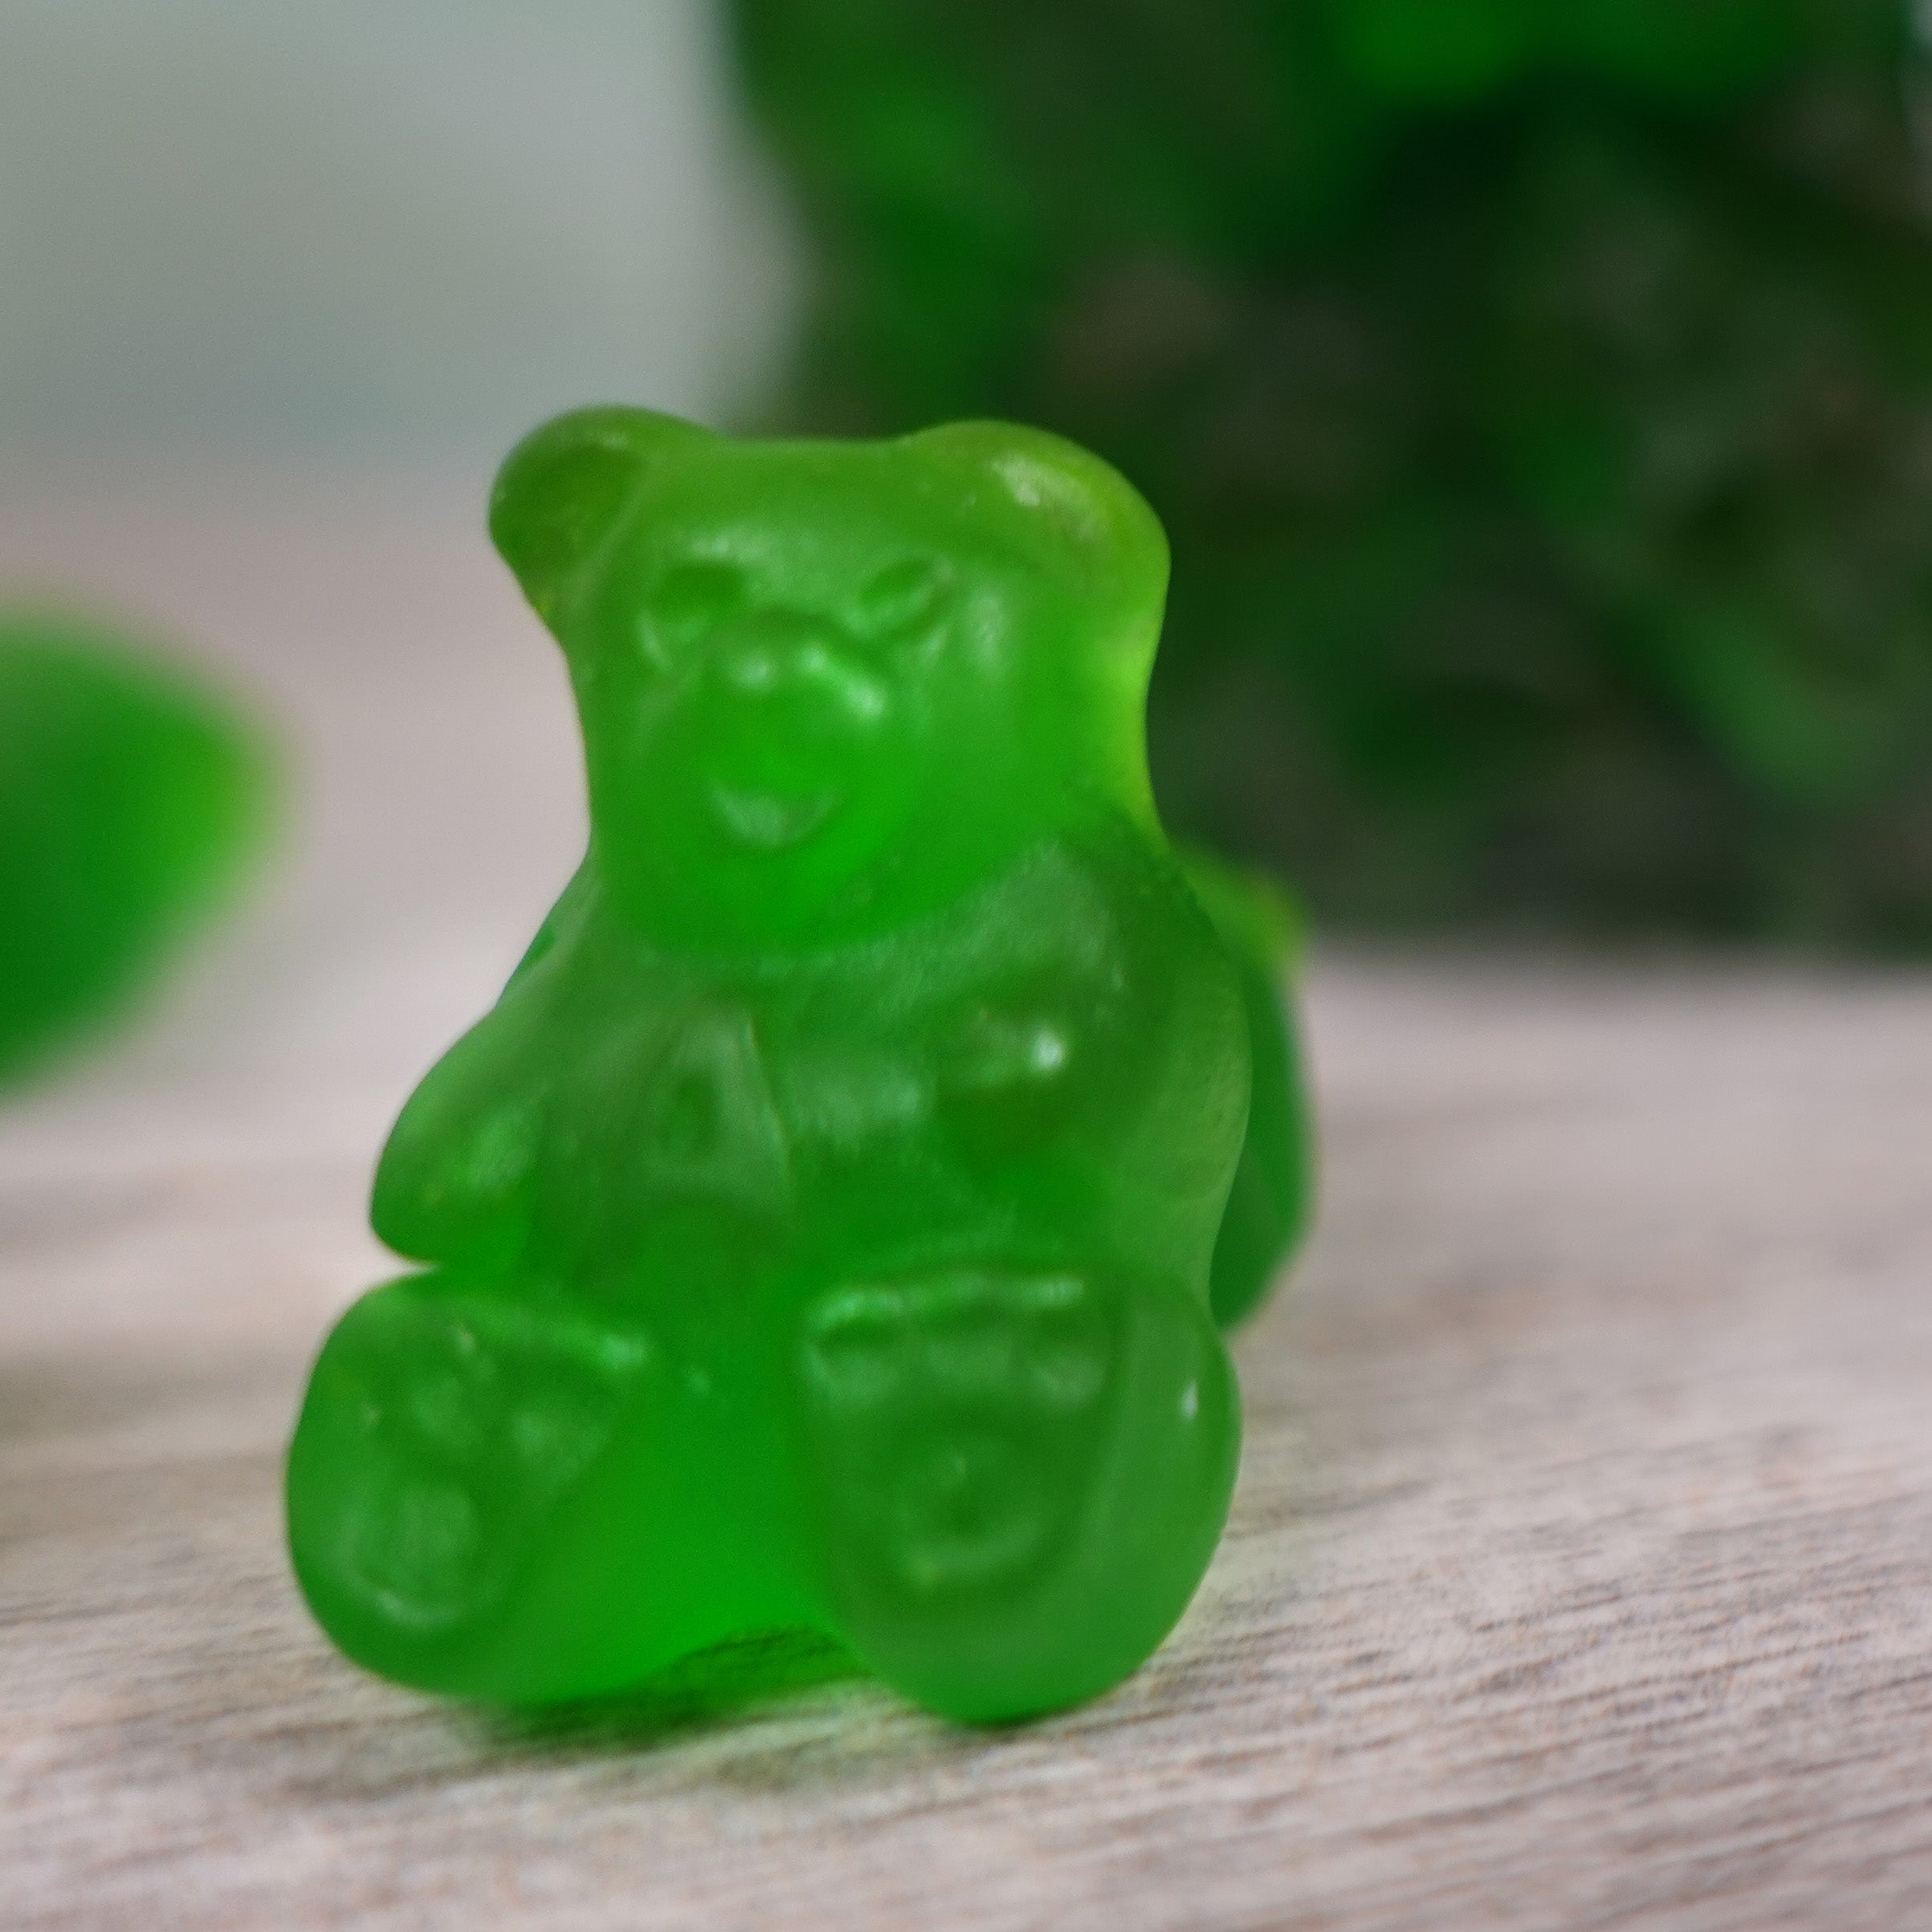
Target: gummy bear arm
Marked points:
1254	913
453	1176
1273	1199
458	1156
563	920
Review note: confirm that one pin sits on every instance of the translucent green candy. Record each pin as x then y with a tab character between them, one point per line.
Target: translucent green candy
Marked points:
1687	52
818	1230
129	798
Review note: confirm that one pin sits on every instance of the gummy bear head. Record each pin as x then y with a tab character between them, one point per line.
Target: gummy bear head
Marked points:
827	685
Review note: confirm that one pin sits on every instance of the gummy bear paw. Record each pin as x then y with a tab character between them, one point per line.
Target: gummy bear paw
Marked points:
1014	1480
443	1433
951	1412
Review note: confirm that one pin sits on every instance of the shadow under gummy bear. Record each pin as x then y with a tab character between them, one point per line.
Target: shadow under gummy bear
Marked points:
827	1231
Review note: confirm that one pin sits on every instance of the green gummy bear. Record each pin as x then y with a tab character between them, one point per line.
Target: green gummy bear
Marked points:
129	798
819	1230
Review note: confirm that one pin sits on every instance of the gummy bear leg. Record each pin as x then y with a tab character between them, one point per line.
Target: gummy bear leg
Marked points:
1017	1480
479	1496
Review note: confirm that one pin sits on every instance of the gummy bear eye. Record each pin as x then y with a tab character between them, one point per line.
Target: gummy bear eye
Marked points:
690	601
905	598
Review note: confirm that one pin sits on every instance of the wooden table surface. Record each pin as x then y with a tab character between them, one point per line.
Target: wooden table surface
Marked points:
1580	1573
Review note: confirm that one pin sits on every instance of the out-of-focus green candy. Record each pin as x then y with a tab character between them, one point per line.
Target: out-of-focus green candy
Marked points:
1439	51
1535	393
1691	52
1725	465
129	797
830	1227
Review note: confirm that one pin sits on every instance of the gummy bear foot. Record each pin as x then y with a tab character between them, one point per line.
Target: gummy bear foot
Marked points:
1018	1479
466	1489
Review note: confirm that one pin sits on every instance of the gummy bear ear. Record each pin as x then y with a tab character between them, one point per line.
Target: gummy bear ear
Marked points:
1102	521
565	484
1101	525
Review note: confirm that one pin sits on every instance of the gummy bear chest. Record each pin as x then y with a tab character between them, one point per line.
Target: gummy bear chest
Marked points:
971	1066
934	1087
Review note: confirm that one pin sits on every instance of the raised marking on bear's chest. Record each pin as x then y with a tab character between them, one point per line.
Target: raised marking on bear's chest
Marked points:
708	1128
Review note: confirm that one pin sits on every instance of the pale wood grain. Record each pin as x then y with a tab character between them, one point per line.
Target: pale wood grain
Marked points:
1580	1574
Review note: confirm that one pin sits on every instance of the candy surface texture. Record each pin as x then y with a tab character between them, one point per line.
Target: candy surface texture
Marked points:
822	1230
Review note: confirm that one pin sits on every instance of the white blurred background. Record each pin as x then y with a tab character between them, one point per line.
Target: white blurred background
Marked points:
281	281
372	229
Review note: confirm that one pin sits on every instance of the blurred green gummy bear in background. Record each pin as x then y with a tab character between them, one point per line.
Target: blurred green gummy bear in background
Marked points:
130	798
831	1226
1535	392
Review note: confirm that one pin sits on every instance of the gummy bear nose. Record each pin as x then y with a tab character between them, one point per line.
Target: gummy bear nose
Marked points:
778	655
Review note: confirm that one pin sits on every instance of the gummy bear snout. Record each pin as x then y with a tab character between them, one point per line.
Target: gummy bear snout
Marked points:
801	664
791	702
